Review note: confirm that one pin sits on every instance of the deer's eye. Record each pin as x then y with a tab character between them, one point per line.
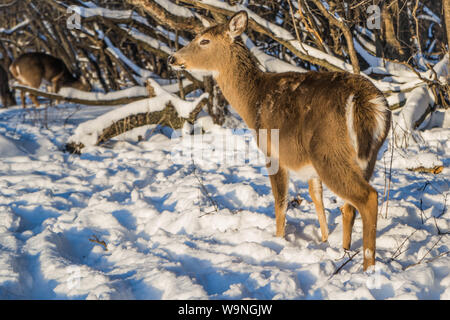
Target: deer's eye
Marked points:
204	42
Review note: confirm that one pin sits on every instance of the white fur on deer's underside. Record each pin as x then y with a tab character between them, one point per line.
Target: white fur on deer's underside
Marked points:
305	173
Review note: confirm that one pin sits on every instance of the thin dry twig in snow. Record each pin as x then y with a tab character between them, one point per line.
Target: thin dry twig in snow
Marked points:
96	240
342	265
395	254
204	190
390	170
429	250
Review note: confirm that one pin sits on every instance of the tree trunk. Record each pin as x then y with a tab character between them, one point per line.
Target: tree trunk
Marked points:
395	30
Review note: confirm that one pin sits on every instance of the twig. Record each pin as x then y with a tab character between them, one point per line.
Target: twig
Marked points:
343	27
204	190
429	250
438	256
70	115
390	170
295	26
394	256
308	25
342	265
96	240
444	209
439	230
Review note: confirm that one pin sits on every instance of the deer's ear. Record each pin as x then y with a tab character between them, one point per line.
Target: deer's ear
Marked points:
238	24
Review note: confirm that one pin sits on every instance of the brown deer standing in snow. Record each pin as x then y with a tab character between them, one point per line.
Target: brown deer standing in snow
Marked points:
30	69
6	96
331	125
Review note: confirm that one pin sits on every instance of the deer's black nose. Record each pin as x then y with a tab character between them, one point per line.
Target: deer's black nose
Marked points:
171	60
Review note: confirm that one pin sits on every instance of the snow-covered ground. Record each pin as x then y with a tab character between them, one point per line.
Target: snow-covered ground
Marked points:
204	230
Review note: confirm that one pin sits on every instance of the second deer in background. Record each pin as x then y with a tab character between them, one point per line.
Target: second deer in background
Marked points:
30	69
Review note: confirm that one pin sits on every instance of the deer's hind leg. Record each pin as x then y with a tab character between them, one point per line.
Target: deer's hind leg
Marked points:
349	211
347	180
316	191
32	97
34	83
35	100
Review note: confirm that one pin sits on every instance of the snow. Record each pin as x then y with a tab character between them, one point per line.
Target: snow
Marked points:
91	9
432	14
270	63
174	9
166	239
416	105
9	148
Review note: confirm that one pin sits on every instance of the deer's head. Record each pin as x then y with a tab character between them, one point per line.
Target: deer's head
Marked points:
207	51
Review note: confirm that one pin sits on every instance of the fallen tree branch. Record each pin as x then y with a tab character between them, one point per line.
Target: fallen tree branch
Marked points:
166	117
96	99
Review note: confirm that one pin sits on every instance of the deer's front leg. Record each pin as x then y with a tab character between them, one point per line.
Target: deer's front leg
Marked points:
280	186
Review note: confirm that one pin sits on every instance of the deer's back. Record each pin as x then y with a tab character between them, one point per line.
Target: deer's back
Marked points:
40	65
312	109
312	98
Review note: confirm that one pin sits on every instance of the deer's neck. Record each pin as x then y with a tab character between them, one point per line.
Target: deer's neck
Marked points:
239	79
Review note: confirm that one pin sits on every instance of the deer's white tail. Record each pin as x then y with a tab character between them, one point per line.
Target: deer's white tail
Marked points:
367	122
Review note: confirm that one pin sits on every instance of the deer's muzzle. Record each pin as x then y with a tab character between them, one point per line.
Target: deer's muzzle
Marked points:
173	62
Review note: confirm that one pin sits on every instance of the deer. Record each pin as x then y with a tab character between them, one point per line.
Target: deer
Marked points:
330	125
6	95
32	68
